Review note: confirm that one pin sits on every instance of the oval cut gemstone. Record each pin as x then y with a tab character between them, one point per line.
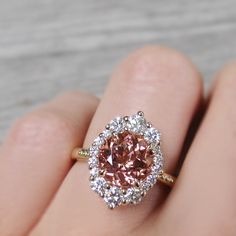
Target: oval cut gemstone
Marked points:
125	158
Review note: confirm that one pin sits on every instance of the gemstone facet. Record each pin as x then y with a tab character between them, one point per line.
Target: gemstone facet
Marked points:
125	159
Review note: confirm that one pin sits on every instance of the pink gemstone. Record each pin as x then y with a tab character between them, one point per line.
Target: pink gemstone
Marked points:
125	158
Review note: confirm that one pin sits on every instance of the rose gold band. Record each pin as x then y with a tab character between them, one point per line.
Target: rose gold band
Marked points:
79	154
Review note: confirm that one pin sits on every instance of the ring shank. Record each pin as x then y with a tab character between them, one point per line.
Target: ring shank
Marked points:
79	154
166	179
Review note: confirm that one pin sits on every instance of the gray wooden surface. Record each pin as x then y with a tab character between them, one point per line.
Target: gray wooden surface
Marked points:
48	46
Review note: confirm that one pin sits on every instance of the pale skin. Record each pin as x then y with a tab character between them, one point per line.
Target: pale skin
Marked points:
43	193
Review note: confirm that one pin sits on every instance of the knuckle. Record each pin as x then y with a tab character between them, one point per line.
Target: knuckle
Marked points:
156	65
40	129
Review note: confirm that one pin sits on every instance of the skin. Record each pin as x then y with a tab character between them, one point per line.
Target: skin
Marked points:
43	193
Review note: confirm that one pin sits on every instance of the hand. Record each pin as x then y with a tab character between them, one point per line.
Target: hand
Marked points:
43	194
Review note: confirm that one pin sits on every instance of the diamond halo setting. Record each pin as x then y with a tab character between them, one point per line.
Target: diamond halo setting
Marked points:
125	160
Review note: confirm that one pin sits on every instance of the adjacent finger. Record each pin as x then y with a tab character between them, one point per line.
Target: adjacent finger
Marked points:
36	157
166	86
204	201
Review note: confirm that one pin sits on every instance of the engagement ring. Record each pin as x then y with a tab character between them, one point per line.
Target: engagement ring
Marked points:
125	161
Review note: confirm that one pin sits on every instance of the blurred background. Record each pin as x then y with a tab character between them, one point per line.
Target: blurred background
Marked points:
49	46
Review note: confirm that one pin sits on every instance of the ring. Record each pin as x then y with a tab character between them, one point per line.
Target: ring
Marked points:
125	160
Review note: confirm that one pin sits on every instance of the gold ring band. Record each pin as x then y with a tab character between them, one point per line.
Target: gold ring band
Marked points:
82	154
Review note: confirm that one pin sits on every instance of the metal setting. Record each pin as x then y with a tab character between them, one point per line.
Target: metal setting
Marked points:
115	195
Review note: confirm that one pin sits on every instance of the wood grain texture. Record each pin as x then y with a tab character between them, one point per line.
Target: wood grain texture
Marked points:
49	46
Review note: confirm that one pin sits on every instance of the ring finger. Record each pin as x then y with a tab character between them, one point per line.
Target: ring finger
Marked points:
165	85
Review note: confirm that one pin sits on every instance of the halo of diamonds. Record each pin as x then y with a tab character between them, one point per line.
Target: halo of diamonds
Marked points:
115	196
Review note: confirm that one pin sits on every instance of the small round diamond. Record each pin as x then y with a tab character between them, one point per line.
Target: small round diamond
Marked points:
133	195
94	150
106	133
113	197
98	185
146	186
99	141
158	159
155	148
136	123
117	125
93	162
157	168
152	179
94	172
152	135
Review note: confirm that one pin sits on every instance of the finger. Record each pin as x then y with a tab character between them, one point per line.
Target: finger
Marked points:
166	86
36	157
208	175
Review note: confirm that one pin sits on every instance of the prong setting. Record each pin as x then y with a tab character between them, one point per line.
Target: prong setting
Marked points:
91	178
115	196
126	118
140	113
101	172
